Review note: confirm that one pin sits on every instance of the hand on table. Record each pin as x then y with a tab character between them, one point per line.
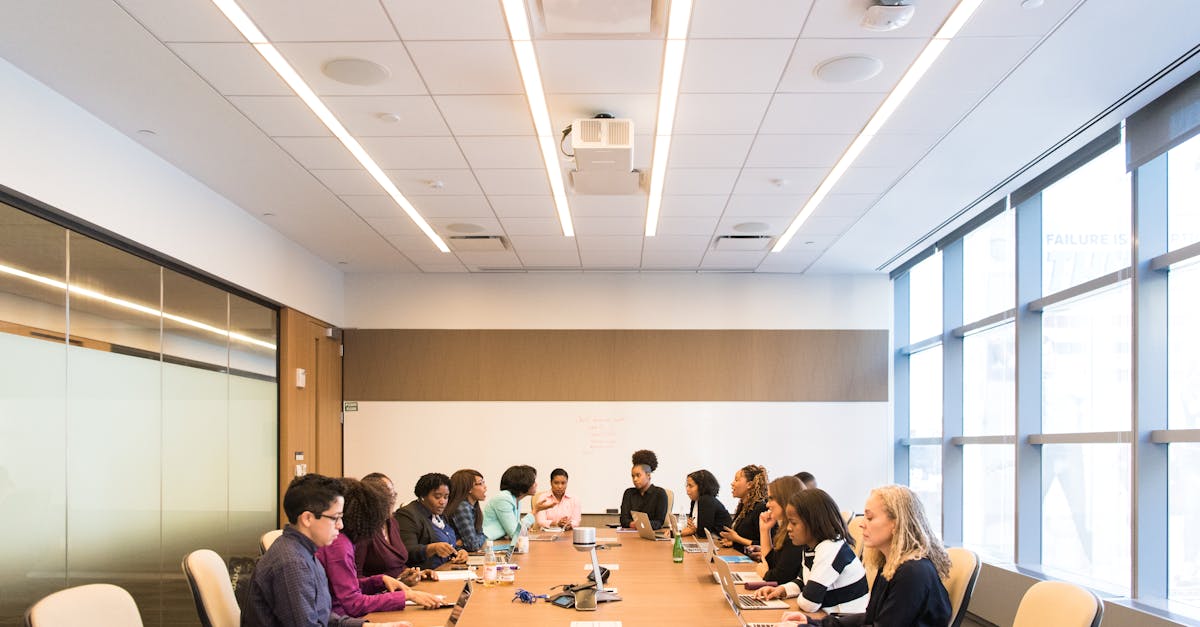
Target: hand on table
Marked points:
440	549
754	552
770	592
460	557
410	576
424	599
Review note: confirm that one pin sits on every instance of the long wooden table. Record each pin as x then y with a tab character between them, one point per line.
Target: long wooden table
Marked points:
654	590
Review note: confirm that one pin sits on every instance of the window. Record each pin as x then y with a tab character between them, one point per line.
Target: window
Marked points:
989	370
1085	512
1183	194
988	493
925	299
989	272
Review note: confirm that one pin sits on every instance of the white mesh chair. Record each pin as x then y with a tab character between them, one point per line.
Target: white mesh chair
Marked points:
268	539
95	605
960	584
670	502
212	591
1060	604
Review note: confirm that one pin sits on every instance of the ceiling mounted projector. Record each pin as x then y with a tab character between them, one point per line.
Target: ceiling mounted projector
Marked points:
888	15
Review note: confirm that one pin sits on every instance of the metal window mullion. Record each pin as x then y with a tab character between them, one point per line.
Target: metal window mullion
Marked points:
1087	437
1075	291
900	377
1027	500
1165	260
952	392
984	324
1148	461
1172	436
916	347
986	440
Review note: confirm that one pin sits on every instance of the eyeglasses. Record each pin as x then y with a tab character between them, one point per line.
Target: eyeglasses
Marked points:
336	518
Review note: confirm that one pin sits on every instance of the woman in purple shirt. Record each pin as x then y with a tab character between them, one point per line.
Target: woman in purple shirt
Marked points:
367	508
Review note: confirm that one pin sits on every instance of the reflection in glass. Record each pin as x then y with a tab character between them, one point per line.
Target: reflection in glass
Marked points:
33	267
925	393
1183	483
195	322
1183	194
1086	222
988	512
989	268
989	382
1086	363
254	329
1085	511
1183	349
115	298
925	478
925	299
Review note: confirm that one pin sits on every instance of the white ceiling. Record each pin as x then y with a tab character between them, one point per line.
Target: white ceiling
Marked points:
755	131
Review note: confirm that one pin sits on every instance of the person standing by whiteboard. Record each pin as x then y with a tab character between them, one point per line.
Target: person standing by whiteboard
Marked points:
643	496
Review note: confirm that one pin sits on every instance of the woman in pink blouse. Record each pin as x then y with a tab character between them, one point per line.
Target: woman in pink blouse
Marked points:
367	508
566	510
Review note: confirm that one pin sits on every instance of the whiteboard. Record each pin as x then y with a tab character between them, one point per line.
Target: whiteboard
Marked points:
846	445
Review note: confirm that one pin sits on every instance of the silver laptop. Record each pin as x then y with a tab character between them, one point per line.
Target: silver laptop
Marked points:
739	577
744	601
456	613
737	611
689	546
641	522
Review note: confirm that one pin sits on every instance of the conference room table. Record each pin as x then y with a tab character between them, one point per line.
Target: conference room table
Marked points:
654	590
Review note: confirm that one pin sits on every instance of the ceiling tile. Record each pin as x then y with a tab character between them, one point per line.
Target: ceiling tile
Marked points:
1010	19
771	181
595	243
608	205
435	182
700	181
320	20
858	180
451	206
531	226
625	259
702	225
442	268
491	259
781	205
552	259
840	18
410	153
709	151
501	152
355	181
797	151
673	243
525	207
394	227
641	108
737	18
808	243
895	53
791	264
591	225
672	260
467	67
720	113
325	153
490	225
732	260
734	65
373	206
690	206
543	243
930	111
976	63
820	113
846	204
280	115
308	59
825	225
513	182
775	224
183	20
416	116
486	115
232	69
461	19
600	66
895	150
419	248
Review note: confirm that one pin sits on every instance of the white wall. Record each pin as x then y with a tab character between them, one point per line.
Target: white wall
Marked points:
618	301
60	154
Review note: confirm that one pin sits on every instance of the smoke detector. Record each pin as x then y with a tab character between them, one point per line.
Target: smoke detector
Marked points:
888	15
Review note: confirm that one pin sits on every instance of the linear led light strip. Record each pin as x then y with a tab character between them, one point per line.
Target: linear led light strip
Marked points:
243	23
668	96
932	50
518	31
150	311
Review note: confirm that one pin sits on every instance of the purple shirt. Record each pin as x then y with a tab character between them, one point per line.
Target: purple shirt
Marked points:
353	595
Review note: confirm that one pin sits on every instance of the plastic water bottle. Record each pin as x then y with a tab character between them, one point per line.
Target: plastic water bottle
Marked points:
677	552
489	564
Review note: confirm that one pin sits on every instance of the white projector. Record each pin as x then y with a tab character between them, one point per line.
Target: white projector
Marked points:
603	150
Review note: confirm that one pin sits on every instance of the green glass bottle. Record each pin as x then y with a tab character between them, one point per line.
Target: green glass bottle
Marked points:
677	552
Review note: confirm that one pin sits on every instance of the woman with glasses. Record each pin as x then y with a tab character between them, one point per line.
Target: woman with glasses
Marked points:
428	536
467	490
384	553
367	506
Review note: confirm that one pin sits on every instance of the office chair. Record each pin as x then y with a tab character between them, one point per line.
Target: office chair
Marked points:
1060	604
268	539
212	591
96	605
960	583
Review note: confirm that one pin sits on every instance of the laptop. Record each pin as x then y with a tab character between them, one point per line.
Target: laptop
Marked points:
744	601
641	522
442	602
737	611
689	546
456	613
739	577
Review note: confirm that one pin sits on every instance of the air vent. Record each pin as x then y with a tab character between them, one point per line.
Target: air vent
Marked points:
742	242
478	243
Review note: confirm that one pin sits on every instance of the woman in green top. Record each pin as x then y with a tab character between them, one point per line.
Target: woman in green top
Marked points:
502	513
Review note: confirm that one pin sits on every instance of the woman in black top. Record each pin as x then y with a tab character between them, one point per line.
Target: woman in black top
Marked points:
750	488
783	558
644	497
706	511
899	541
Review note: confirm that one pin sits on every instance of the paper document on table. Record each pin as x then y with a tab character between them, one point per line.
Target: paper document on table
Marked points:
588	567
454	575
595	623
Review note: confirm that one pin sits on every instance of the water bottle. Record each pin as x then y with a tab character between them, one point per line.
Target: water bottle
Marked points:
677	552
489	564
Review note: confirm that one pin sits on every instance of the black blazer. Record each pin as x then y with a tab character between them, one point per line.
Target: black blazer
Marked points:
416	529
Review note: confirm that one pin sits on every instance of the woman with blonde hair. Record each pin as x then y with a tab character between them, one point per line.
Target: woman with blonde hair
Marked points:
899	541
750	488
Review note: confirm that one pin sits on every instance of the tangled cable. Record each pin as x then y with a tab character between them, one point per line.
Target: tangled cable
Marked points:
526	596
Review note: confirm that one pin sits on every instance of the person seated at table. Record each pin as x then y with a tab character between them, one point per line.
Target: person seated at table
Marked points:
705	512
566	511
643	496
367	506
899	541
467	489
502	513
430	540
832	579
807	479
384	553
781	558
749	487
288	586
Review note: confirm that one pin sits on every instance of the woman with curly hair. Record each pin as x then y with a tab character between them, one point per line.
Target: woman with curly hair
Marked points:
643	496
749	487
899	541
384	552
367	507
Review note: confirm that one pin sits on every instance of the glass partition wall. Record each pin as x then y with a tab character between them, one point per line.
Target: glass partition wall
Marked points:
138	420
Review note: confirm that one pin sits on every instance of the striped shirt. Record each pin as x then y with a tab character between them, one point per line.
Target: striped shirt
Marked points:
831	579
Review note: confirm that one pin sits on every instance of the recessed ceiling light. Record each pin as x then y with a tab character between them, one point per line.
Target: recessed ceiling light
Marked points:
751	227
268	214
851	68
464	227
1032	4
389	117
355	71
146	131
343	263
